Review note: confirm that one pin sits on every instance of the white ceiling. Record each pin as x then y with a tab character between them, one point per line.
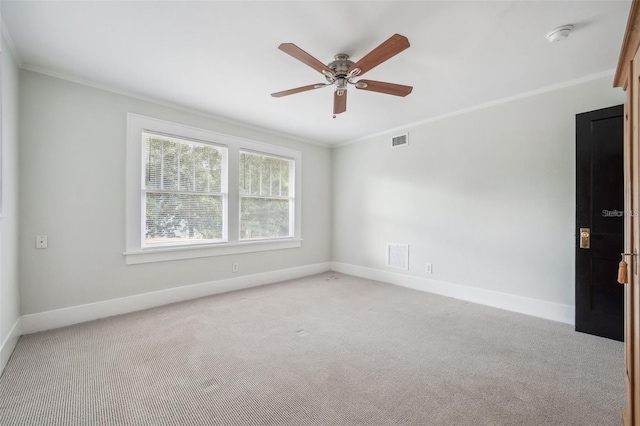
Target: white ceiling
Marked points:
221	57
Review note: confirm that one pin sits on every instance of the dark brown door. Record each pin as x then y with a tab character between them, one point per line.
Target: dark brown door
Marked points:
599	222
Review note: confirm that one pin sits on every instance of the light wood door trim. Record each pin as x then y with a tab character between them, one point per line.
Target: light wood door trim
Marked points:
633	346
630	45
628	77
628	297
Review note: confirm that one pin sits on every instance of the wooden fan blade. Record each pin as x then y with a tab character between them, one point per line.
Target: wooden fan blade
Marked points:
339	102
298	90
394	45
305	58
382	87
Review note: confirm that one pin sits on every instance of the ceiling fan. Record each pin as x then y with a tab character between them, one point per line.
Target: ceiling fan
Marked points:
342	71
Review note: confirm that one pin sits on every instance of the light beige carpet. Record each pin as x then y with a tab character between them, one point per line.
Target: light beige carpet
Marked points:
323	350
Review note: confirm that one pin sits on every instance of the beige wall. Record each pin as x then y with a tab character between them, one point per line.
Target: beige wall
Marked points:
72	176
487	197
9	292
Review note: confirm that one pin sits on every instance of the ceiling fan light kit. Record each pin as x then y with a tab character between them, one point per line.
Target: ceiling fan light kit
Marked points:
342	71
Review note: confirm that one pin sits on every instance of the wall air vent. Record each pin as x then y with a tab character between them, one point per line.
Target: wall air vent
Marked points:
400	140
398	255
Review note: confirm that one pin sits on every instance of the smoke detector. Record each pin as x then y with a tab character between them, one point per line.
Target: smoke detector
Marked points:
559	34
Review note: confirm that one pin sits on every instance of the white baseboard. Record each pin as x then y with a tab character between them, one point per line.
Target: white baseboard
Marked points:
33	323
524	305
9	343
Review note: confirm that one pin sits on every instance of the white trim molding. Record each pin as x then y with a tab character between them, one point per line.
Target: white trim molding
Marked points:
518	96
9	343
33	323
158	101
510	302
10	43
192	252
231	149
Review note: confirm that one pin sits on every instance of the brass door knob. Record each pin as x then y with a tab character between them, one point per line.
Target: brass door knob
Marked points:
585	238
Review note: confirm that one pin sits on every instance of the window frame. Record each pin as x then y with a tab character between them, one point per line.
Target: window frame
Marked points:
290	197
223	193
136	253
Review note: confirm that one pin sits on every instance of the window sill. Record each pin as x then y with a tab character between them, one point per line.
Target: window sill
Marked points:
165	254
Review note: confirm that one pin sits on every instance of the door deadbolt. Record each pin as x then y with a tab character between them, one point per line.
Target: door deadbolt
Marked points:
585	238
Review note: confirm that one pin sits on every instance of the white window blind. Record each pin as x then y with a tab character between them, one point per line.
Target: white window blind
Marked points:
266	196
196	193
184	192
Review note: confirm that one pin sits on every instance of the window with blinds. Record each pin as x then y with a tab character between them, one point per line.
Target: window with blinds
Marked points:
266	196
197	193
184	191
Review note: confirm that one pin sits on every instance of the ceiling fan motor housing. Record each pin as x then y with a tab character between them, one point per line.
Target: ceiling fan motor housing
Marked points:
340	64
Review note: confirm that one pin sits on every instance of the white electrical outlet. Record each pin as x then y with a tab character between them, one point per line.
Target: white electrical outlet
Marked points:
41	242
234	267
428	268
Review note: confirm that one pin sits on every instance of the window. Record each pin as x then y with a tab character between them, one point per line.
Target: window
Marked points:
185	191
197	193
266	202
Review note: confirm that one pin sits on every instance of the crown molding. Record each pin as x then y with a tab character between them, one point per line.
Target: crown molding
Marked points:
570	83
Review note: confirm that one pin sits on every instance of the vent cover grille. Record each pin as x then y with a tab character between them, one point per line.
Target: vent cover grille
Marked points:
398	255
400	140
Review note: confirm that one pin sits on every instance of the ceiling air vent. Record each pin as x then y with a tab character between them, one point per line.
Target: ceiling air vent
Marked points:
400	140
398	255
